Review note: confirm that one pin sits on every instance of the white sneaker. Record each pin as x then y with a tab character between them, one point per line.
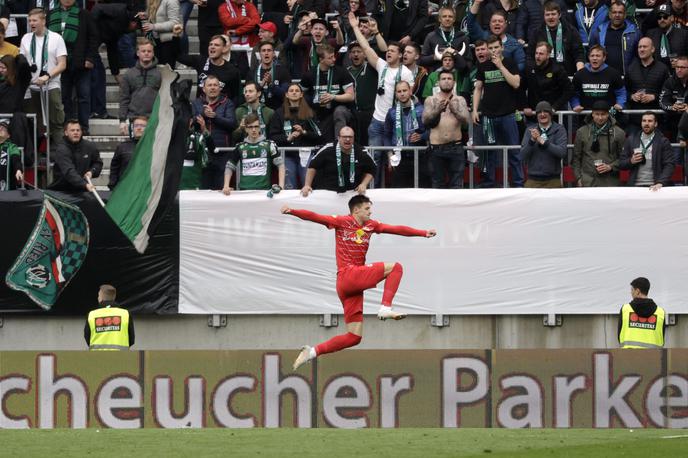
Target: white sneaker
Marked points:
303	358
386	313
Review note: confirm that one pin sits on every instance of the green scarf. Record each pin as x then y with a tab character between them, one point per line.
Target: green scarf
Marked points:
399	131
314	60
664	49
352	166
596	131
558	46
7	149
70	19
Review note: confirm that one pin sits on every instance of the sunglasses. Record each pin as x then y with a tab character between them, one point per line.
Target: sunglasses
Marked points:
662	17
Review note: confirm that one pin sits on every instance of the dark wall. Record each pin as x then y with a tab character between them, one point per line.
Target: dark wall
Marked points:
147	283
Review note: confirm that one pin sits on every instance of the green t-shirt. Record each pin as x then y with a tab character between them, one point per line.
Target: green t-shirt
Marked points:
462	84
195	160
255	162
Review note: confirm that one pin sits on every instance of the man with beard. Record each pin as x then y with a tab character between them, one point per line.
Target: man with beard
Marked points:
404	127
589	15
215	64
543	148
124	151
330	89
308	45
365	83
669	41
449	63
444	114
597	81
272	77
564	40
447	37
547	81
619	37
648	155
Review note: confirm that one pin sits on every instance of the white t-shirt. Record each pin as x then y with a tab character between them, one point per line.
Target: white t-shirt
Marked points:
384	102
56	48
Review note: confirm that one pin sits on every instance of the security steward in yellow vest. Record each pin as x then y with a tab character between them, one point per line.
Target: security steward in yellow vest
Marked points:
109	327
641	322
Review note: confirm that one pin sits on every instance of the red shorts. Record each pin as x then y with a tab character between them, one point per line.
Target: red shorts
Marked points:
352	282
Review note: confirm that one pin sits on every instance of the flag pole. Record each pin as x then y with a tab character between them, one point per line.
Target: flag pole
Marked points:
95	193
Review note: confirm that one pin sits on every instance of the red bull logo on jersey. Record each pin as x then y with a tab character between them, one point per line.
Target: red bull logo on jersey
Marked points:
636	321
359	236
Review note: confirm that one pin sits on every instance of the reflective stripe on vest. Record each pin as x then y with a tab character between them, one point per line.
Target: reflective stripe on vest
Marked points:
640	332
109	329
108	347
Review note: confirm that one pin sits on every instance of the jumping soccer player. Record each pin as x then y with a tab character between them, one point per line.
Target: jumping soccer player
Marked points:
354	276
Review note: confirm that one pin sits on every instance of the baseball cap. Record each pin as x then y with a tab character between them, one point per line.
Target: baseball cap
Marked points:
269	26
664	9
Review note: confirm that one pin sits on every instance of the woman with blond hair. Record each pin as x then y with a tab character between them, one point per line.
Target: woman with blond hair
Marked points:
158	24
294	125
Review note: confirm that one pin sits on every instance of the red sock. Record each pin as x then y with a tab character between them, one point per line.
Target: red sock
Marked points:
337	343
392	284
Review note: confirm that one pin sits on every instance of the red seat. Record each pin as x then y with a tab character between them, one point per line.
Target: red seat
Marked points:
569	177
624	175
678	177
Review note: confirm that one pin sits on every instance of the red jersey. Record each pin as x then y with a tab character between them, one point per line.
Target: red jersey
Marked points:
351	239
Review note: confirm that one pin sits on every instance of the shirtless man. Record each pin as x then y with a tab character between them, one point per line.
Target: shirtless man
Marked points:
444	113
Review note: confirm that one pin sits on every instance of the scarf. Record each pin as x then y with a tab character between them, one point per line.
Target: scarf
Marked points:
316	97
352	165
645	146
7	150
314	61
381	80
44	61
543	132
399	128
664	48
259	78
447	41
558	45
596	131
66	23
355	73
241	39
198	148
488	130
288	127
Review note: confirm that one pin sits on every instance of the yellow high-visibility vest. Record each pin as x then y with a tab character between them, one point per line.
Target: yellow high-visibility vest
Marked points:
640	332
109	329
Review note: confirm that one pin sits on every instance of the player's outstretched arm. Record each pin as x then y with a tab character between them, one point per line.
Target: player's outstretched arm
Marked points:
405	231
326	220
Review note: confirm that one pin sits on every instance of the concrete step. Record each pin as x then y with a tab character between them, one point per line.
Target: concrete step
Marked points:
112	94
194	46
102	179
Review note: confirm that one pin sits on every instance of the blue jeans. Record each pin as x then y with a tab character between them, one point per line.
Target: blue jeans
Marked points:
505	133
127	50
185	8
376	137
78	79
295	172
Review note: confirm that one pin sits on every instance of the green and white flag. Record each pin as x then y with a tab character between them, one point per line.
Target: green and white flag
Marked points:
151	181
53	254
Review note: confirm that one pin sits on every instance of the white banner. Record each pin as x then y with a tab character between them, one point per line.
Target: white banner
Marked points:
513	251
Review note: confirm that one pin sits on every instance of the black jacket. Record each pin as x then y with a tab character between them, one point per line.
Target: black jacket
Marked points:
650	78
671	89
531	18
573	47
87	41
434	39
663	158
325	164
550	83
277	133
678	43
415	20
120	161
12	96
72	161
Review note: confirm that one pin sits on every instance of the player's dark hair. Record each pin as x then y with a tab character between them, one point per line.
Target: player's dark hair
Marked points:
642	284
358	200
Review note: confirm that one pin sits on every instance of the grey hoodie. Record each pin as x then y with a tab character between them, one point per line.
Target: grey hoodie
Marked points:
138	90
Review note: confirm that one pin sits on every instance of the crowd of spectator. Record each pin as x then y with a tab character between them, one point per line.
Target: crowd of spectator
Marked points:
392	73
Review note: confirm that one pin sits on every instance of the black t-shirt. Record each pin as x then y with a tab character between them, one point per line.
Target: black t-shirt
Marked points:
228	74
591	86
327	175
341	80
499	98
614	47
